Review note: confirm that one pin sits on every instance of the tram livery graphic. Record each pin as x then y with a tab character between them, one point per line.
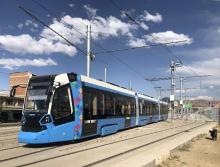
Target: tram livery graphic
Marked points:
68	107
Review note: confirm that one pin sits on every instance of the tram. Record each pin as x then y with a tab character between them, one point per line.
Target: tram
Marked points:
69	107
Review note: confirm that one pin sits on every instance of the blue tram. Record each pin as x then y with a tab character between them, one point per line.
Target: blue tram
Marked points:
69	107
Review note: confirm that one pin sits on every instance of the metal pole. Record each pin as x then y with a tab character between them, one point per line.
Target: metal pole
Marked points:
88	50
172	69
105	74
186	110
159	101
130	85
181	98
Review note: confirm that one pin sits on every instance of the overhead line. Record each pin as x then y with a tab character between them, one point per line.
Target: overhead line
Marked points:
45	8
56	16
136	22
45	25
96	43
138	47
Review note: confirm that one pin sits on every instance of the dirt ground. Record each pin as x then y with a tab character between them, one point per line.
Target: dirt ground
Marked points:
200	152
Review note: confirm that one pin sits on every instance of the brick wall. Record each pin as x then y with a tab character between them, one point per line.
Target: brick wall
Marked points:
19	78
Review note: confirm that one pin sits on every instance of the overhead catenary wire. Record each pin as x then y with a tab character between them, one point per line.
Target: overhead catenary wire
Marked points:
118	59
45	25
138	47
57	17
96	43
136	22
74	28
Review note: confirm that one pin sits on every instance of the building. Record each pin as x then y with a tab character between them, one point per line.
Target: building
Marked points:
11	107
19	80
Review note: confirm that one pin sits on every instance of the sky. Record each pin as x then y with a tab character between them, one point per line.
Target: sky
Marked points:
27	45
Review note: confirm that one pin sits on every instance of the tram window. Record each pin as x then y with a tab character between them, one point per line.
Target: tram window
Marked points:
94	105
112	107
129	108
119	106
61	110
141	108
101	104
133	109
151	109
86	104
154	109
109	105
147	109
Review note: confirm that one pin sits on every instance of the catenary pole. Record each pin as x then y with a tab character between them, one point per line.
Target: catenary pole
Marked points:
88	51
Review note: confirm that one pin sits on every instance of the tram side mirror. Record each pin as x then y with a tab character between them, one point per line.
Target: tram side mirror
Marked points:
57	84
12	91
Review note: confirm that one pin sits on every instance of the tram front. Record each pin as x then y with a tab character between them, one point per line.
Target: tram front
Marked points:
48	113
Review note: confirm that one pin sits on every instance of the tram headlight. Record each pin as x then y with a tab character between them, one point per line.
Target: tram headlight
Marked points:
45	119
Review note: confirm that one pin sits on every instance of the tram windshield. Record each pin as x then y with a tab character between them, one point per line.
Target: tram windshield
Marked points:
38	96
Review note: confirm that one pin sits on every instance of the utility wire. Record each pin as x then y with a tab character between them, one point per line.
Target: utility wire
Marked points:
138	47
136	22
45	8
45	25
56	16
96	43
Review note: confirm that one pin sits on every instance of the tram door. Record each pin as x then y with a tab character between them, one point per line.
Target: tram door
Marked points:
89	112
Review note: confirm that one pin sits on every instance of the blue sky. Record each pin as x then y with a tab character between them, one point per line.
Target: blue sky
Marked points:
25	45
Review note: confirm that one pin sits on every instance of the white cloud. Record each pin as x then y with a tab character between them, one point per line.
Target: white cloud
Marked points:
211	84
103	27
211	52
20	25
168	36
161	37
112	26
11	63
91	12
71	5
31	23
205	67
157	18
136	42
123	15
49	42
25	44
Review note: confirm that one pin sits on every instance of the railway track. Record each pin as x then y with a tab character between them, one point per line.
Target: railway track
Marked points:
139	147
80	151
8	133
145	134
